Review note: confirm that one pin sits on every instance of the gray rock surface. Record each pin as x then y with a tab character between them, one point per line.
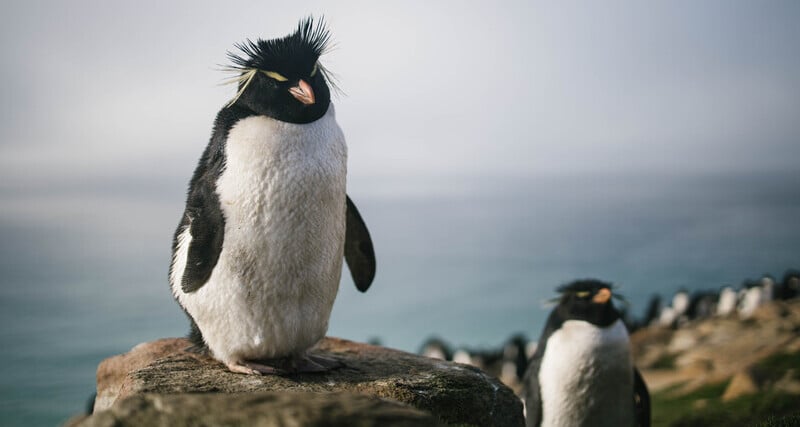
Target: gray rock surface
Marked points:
261	409
451	392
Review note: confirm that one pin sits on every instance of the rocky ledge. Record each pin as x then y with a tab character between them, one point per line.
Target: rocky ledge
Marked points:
375	386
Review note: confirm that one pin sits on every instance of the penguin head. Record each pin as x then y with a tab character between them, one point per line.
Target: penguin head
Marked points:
588	300
282	78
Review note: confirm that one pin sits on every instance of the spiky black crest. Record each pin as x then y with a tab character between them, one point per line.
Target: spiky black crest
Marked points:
591	285
308	42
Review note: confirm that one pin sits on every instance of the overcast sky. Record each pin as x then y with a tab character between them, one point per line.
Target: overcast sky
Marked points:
104	91
105	106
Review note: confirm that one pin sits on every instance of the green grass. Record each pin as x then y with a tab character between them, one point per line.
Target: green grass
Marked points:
785	421
775	367
768	409
667	408
704	406
666	361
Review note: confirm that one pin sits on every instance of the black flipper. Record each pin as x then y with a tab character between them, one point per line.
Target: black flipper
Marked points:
641	398
531	391
207	228
358	250
206	224
203	214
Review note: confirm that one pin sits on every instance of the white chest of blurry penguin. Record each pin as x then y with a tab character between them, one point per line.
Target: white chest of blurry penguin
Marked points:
582	373
257	256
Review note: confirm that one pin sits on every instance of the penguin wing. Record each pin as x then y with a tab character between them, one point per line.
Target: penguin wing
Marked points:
198	239
358	250
207	230
641	398
532	393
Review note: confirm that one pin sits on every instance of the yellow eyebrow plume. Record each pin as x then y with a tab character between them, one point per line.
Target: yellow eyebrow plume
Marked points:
275	76
244	79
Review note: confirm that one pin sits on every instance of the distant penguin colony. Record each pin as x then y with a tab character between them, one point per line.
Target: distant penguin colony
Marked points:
726	301
582	372
257	256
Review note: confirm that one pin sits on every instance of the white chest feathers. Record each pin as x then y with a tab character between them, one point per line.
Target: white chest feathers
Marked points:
586	376
282	194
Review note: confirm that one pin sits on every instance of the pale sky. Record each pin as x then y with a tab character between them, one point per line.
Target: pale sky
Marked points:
101	91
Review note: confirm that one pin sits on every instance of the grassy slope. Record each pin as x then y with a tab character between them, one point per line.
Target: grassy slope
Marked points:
704	406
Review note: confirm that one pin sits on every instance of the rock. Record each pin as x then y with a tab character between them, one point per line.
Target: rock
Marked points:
788	383
261	409
111	373
649	345
741	384
453	393
682	340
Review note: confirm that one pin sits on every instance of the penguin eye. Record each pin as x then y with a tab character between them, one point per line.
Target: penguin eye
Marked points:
275	76
582	294
314	70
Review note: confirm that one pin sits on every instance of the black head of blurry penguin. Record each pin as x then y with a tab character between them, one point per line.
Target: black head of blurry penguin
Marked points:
582	373
257	255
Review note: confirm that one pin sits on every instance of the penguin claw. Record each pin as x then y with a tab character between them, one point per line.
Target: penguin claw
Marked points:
308	363
251	368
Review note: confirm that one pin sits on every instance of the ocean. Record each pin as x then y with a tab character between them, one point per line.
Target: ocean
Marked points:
83	272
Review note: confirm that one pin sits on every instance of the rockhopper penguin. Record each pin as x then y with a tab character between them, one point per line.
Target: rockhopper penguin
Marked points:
582	373
257	256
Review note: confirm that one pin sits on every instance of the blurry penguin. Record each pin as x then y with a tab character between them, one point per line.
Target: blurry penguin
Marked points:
728	299
752	296
767	283
675	314
436	348
582	373
515	358
653	308
790	284
703	304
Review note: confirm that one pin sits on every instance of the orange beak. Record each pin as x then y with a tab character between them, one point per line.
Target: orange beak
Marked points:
303	93
602	296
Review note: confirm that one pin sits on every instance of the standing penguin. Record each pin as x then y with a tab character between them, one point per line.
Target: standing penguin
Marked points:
257	256
582	373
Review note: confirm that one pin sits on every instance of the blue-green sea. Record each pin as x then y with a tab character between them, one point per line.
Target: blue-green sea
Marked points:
83	271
